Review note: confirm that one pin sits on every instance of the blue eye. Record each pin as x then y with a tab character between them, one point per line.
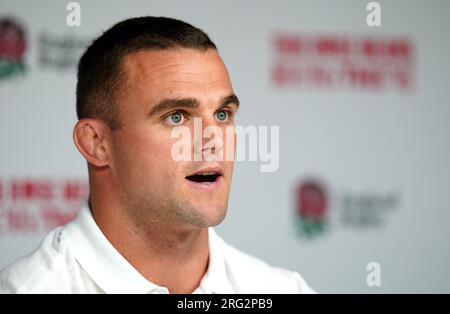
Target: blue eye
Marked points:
175	118
222	115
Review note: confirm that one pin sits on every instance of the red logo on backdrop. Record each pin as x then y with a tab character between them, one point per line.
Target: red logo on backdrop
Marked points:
311	207
360	210
38	205
12	48
341	61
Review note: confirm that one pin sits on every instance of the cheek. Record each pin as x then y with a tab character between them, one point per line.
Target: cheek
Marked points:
230	143
144	154
155	151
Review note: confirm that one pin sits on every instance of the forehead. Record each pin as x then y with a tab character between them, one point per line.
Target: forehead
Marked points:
177	73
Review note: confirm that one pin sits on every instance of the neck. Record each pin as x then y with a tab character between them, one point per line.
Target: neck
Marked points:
165	254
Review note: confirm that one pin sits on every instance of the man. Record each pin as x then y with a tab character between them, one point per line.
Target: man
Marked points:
146	228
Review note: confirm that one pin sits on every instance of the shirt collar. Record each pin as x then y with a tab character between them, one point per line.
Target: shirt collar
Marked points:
114	274
103	263
216	279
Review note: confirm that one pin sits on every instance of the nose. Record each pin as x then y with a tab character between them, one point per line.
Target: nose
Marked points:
210	143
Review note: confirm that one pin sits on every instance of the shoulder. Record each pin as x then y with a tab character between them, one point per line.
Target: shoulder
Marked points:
252	275
36	272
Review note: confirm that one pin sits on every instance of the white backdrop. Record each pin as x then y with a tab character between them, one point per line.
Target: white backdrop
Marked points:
381	155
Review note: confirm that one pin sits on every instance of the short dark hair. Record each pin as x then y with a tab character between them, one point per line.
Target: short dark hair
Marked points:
99	69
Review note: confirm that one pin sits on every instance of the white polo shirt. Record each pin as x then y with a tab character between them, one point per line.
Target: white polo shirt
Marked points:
77	258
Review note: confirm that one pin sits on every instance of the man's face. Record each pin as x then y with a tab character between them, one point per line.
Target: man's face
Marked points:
151	183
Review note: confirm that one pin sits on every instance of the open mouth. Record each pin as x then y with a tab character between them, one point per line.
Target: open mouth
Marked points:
207	177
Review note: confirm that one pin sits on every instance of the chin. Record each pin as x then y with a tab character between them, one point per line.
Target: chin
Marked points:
208	216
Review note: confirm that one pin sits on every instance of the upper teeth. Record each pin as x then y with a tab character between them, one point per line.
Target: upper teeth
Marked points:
207	173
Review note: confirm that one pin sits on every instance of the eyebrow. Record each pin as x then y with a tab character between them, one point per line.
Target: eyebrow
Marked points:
191	103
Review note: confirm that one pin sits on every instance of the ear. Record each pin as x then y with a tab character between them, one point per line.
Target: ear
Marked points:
92	138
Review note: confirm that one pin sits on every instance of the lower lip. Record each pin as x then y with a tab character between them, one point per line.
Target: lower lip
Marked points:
206	186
